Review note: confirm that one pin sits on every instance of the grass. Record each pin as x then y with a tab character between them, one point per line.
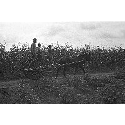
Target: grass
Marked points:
74	89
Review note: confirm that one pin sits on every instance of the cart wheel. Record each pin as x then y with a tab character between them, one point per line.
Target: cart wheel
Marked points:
32	74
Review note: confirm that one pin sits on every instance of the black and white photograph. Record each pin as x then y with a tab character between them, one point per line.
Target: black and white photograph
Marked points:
62	63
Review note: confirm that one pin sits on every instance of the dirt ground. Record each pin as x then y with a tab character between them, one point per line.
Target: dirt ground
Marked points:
96	75
37	96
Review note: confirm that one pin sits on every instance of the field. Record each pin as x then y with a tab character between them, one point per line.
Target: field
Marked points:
103	82
98	88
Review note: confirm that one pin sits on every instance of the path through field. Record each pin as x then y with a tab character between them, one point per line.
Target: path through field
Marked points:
93	75
27	87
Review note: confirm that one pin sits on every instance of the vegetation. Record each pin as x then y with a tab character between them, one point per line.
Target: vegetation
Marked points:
73	89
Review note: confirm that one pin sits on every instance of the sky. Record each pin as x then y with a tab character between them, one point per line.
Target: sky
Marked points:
77	34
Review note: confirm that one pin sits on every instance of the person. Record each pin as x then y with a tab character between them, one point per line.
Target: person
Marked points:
33	53
33	48
50	54
49	48
39	48
39	54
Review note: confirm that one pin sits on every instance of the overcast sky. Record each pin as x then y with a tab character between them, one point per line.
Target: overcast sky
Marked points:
76	34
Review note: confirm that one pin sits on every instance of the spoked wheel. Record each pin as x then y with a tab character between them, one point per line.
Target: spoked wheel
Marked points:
33	74
36	74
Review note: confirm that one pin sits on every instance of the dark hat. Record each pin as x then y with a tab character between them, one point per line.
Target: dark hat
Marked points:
39	44
49	46
34	40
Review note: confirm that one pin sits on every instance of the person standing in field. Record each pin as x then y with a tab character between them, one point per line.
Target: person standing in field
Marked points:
50	53
33	53
39	51
49	56
39	54
33	48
